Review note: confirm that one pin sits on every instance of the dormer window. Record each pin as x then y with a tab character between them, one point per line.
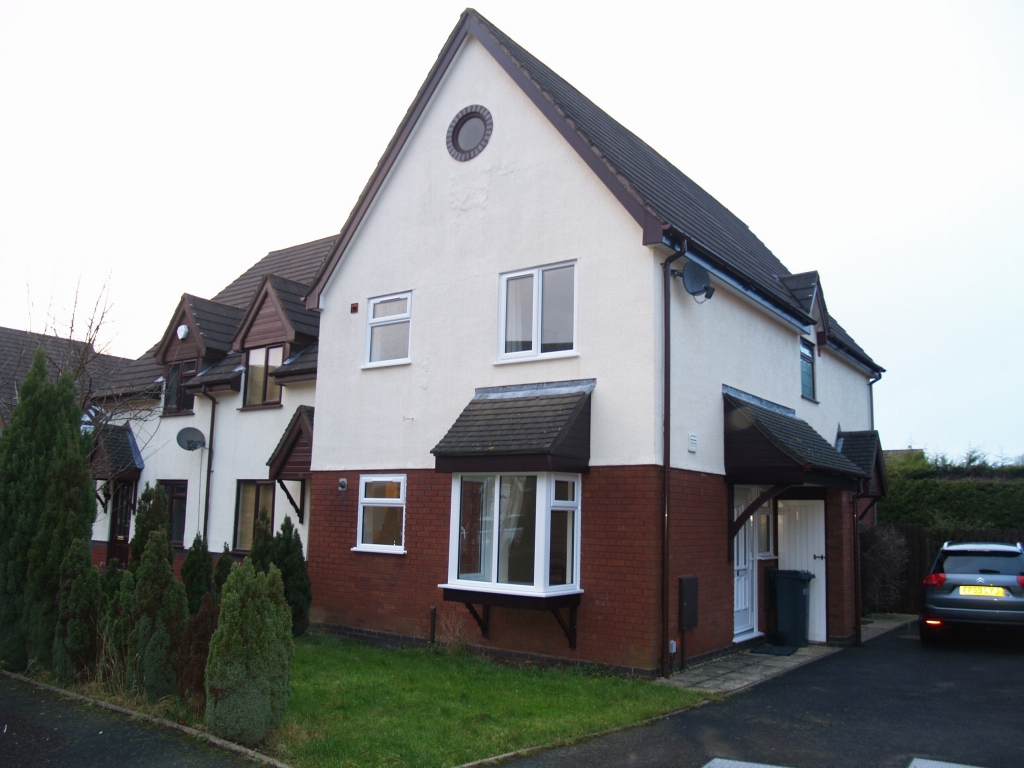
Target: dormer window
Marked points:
260	387
176	399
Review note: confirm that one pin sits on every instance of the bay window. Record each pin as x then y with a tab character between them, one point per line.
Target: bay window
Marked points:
538	312
515	533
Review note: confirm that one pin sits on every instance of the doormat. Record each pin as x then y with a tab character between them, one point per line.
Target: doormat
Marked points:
775	650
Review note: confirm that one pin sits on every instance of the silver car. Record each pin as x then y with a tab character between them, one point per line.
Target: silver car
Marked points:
975	583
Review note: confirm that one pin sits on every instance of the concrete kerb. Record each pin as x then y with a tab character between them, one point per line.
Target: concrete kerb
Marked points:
496	759
214	740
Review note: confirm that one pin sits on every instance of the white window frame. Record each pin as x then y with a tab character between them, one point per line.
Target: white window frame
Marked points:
364	502
542	544
371	323
765	512
535	353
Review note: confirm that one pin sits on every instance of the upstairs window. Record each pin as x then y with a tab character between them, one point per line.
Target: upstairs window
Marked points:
176	399
260	387
538	312
387	329
807	370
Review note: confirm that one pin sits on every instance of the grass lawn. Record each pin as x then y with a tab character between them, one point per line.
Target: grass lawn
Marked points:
356	705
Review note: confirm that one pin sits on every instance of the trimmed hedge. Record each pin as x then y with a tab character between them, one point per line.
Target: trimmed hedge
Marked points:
937	493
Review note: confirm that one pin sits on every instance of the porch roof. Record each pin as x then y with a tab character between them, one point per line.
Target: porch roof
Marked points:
543	426
768	446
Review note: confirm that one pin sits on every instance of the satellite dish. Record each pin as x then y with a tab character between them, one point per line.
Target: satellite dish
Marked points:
696	280
191	438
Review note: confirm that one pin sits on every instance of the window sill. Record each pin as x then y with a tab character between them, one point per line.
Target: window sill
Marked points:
260	407
537	601
767	556
535	358
498	590
381	550
386	364
175	414
809	399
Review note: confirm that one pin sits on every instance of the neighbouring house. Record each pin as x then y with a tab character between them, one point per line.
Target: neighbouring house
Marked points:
233	382
524	300
92	370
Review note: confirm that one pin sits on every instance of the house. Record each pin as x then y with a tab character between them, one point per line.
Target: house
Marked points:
92	370
230	388
525	300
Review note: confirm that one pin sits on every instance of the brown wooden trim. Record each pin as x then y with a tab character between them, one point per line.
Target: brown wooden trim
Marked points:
299	426
193	327
175	414
264	290
629	199
286	379
756	504
261	406
534	462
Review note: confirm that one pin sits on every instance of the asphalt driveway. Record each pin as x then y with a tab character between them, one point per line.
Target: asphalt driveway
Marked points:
39	728
883	705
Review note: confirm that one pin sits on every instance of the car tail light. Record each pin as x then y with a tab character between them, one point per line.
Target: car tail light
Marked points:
933	622
1020	580
934	580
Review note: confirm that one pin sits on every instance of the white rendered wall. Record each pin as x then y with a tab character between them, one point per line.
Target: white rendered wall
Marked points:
242	443
446	230
728	340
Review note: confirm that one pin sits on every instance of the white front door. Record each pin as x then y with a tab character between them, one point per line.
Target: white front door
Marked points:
744	613
802	548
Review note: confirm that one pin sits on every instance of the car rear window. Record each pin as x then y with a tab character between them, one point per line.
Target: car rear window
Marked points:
1005	563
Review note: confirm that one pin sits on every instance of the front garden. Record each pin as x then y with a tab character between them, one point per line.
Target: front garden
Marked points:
215	650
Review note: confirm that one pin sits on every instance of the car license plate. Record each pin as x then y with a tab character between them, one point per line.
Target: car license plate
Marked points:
982	591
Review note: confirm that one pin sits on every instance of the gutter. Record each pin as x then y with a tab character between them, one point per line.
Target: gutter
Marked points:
666	268
871	395
209	463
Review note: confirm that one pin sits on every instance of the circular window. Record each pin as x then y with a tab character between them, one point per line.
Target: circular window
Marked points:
469	132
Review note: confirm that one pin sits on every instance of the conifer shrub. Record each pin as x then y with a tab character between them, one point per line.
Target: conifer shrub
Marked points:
42	482
194	652
222	571
112	575
151	515
290	561
116	627
196	573
249	669
261	553
161	611
68	512
80	601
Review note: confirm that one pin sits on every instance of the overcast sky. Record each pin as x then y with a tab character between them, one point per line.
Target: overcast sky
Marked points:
162	148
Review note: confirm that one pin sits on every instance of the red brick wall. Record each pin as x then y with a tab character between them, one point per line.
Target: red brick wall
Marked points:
698	545
99	557
839	531
618	620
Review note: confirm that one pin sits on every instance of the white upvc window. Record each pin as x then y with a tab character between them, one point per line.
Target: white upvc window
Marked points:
381	523
389	320
537	313
515	533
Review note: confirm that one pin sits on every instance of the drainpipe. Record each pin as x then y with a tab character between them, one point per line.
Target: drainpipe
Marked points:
871	395
858	604
209	464
667	454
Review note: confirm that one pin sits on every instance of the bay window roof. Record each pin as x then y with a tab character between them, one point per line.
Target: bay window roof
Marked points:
532	427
